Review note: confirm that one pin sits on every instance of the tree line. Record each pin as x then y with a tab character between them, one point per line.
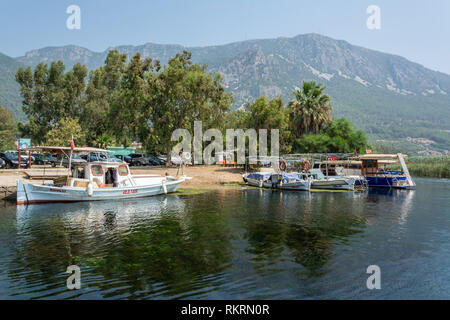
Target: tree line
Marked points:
139	99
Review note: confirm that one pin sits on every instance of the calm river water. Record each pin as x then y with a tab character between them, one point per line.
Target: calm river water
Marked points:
233	244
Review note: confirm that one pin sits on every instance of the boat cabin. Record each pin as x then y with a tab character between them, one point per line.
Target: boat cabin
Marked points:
373	167
339	167
101	174
375	164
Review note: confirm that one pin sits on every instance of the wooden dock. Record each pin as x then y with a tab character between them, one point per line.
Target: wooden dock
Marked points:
46	174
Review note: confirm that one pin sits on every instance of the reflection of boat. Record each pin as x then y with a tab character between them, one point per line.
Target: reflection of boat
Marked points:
92	216
319	181
97	181
283	181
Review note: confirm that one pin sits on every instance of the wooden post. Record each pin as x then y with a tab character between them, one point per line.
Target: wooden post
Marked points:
19	159
70	160
29	159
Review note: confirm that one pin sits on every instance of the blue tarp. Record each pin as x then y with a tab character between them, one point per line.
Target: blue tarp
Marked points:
259	176
266	176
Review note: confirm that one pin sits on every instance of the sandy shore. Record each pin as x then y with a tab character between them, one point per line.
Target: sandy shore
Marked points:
203	177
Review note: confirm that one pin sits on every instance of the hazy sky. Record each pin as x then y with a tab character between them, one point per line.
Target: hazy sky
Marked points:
417	30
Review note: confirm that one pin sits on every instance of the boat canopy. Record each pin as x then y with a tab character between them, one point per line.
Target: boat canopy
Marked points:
291	176
59	150
260	176
338	162
371	156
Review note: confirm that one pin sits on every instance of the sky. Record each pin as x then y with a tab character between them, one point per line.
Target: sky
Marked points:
416	30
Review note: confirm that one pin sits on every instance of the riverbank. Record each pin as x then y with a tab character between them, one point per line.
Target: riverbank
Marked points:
203	177
430	167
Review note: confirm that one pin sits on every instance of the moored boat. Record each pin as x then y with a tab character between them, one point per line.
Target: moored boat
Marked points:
319	181
282	181
374	169
97	181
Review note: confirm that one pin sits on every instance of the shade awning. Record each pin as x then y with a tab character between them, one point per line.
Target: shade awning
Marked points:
55	149
371	156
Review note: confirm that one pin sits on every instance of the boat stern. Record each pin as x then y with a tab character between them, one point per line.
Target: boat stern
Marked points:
21	193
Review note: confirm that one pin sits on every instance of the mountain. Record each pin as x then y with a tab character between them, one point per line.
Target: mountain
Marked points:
9	89
391	98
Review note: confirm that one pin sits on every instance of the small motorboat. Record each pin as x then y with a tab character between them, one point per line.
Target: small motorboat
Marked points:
320	181
92	181
275	180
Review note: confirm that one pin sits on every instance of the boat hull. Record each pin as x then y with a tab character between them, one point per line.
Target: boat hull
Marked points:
334	184
298	185
35	194
388	182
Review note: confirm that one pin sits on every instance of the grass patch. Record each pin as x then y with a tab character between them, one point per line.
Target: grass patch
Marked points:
188	191
234	184
430	167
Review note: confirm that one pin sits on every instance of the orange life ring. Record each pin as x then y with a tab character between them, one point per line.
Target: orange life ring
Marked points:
283	165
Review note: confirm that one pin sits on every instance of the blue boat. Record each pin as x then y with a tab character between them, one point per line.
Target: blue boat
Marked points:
376	176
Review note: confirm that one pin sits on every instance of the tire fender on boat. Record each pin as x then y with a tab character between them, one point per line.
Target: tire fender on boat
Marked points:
283	165
90	189
261	183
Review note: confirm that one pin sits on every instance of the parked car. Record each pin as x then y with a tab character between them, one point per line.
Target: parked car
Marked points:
113	158
23	154
42	159
12	160
123	158
127	159
101	156
76	158
138	159
154	160
2	163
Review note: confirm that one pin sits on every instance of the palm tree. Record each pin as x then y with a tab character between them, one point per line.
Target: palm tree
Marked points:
104	140
311	110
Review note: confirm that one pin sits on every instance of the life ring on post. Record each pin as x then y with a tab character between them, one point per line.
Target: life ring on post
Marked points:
283	165
306	165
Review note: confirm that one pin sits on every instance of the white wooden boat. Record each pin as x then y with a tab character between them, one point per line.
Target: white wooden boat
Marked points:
319	181
274	180
97	181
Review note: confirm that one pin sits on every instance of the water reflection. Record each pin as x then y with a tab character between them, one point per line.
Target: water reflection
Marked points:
306	225
136	247
396	202
205	245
